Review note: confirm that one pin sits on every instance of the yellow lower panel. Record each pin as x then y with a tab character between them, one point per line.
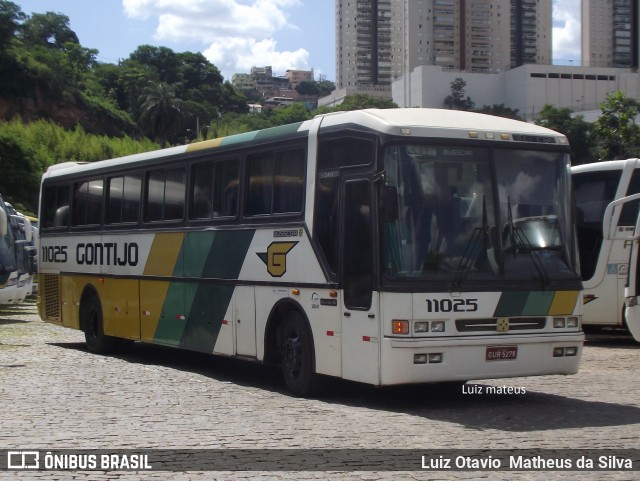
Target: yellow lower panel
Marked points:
121	307
152	297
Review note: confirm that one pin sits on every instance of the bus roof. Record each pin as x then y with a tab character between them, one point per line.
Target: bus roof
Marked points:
436	120
406	122
600	166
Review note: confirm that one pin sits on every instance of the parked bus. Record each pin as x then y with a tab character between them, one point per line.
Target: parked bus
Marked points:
16	255
606	217
632	290
380	246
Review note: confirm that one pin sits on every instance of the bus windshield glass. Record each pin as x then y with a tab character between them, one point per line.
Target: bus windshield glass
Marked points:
482	214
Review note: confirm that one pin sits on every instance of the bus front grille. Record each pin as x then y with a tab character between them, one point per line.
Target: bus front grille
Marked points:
51	297
496	324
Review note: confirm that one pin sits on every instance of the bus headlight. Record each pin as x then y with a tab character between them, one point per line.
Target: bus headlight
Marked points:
558	322
420	326
572	321
437	326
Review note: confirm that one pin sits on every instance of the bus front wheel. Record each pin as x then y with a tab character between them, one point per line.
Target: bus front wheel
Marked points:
93	326
296	356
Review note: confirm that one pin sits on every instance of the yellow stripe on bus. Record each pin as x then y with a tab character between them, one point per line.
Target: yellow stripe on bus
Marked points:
164	254
564	303
206	144
152	297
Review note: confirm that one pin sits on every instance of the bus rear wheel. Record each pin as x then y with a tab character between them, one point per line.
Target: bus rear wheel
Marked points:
93	326
296	356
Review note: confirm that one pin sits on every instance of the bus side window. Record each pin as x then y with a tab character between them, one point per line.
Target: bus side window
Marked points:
226	177
55	207
629	212
201	191
288	192
166	189
87	203
123	202
276	182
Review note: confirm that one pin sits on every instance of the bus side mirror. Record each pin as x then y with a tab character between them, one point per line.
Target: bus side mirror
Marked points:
28	230
389	204
3	223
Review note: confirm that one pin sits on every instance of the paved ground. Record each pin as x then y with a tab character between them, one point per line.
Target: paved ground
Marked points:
56	395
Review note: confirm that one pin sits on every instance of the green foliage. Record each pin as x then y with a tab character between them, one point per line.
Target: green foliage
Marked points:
580	134
457	101
161	113
48	29
19	179
616	129
11	17
27	150
500	110
359	101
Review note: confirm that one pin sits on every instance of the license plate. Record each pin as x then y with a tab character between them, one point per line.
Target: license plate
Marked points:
501	353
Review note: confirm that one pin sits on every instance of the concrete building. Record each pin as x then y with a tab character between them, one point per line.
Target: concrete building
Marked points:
525	89
610	33
378	41
295	77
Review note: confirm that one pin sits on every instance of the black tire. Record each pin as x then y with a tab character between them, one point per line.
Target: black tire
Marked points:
91	320
297	359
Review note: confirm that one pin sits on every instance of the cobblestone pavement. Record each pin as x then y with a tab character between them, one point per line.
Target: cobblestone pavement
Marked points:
56	395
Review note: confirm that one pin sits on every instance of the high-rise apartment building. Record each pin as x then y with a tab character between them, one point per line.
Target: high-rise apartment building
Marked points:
380	40
610	33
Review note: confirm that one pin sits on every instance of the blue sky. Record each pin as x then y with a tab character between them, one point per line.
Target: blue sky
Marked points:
238	34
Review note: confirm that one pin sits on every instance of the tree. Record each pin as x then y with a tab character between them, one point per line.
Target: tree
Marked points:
161	112
616	129
500	110
296	112
10	17
48	29
308	87
457	101
579	133
80	59
20	176
164	62
360	101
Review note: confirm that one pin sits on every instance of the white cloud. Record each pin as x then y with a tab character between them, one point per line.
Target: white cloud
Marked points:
234	34
566	32
245	53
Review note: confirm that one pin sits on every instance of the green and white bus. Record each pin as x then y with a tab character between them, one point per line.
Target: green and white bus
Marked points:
380	246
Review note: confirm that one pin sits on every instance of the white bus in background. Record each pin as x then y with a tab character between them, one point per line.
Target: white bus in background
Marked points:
16	255
606	212
632	291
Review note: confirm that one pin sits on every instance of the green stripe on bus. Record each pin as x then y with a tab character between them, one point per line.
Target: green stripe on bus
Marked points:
206	313
538	303
238	138
278	131
524	303
511	303
193	312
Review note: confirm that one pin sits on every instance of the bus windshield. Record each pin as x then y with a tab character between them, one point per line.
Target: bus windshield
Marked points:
476	214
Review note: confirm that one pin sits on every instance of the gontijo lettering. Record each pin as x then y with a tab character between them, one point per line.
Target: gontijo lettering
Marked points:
108	253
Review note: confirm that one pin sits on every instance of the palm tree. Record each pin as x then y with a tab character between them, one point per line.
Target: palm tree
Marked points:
161	112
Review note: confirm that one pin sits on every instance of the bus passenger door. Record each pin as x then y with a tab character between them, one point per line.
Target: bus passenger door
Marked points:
360	317
245	321
632	291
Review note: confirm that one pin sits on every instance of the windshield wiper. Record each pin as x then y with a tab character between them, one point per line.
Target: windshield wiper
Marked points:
478	242
520	242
